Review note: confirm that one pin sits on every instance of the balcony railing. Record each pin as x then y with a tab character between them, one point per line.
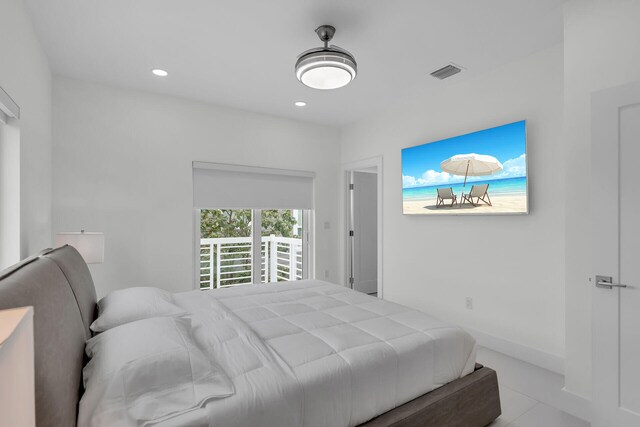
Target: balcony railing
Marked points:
227	261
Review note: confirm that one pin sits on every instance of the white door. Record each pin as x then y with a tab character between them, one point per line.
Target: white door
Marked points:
363	225
365	228
615	201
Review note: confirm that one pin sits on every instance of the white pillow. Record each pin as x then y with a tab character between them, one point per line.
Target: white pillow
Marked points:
131	304
146	372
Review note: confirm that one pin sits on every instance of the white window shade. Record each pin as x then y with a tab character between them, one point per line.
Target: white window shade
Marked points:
219	186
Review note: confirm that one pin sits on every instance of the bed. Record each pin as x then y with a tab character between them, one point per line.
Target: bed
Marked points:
305	353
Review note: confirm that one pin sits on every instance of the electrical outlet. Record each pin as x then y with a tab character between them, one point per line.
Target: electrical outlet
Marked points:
326	274
469	303
327	225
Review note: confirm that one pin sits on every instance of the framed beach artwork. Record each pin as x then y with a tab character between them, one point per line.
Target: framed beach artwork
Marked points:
479	173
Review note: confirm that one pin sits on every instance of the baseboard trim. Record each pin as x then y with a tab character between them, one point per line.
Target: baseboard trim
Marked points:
535	382
577	405
550	362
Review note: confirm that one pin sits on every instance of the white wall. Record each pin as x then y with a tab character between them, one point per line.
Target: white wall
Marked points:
601	51
512	266
122	165
25	76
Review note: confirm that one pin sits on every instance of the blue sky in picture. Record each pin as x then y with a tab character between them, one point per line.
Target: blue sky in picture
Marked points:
507	143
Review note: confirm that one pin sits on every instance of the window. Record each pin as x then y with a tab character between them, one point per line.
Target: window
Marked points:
9	181
226	246
263	239
282	245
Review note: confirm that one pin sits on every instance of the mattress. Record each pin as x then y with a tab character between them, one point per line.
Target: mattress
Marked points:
310	353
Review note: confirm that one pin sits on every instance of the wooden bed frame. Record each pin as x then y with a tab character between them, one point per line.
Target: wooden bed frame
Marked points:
58	284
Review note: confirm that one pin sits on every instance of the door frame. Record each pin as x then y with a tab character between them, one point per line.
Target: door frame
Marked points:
605	189
347	168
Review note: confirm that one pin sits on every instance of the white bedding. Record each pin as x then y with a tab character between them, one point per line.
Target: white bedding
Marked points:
310	353
147	370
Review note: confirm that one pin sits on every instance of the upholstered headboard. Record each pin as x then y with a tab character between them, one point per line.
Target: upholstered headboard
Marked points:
58	285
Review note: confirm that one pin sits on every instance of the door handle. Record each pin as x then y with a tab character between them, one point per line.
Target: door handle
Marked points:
607	283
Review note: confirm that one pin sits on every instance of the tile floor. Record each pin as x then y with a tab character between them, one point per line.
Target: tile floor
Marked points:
519	410
519	384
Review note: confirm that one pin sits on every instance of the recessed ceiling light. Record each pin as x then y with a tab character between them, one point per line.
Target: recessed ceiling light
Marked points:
160	73
300	104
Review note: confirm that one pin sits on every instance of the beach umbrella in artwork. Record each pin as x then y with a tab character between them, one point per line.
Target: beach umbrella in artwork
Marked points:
471	165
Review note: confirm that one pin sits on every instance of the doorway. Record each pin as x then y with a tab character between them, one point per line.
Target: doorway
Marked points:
363	231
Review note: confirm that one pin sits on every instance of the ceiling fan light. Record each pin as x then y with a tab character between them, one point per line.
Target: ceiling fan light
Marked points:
326	77
329	67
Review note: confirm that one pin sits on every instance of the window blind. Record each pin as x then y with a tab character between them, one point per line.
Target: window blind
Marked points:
221	186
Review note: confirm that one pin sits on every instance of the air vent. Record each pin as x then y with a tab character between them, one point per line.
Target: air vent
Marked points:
446	71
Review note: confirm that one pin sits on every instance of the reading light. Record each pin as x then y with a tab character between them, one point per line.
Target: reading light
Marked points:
90	245
300	104
160	73
328	67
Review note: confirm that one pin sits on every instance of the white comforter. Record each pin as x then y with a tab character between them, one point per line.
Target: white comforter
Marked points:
310	353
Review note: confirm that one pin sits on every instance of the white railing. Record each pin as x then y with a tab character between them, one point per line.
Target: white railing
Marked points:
227	261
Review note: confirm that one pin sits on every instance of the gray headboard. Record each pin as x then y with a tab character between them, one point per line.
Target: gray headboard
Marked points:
58	285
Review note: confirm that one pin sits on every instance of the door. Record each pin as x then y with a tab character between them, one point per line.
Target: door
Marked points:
615	201
365	232
363	220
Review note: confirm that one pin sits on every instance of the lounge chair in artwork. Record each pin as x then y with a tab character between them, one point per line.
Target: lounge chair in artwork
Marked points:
445	194
478	192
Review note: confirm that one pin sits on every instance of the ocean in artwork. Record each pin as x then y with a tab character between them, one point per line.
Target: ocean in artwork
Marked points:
506	186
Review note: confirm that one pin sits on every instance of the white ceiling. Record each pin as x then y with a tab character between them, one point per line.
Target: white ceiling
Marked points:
241	53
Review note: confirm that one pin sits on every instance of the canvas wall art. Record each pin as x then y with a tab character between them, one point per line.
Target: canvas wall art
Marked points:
479	173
